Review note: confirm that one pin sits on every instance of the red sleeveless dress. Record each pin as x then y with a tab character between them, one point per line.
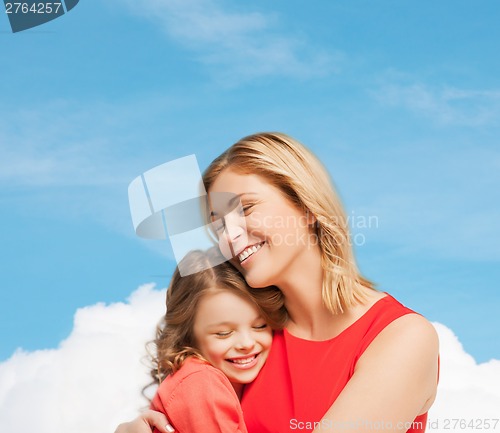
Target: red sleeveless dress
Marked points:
302	379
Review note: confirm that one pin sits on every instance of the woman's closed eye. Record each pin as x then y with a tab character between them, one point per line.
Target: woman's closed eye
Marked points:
247	208
219	225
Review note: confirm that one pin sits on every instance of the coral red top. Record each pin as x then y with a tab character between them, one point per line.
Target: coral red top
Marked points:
199	398
302	379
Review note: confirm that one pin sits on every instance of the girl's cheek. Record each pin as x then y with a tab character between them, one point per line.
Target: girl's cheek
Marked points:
220	346
270	339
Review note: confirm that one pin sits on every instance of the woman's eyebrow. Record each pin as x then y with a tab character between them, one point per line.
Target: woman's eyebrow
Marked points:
233	201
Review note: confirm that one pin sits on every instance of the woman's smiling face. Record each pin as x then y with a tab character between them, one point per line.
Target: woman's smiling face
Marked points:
270	237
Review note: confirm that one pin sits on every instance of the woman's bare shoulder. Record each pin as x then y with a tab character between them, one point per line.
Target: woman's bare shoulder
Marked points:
409	336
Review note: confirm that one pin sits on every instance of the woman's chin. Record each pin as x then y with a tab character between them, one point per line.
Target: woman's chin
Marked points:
256	281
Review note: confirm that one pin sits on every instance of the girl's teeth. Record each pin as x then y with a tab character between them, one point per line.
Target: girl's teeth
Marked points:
243	361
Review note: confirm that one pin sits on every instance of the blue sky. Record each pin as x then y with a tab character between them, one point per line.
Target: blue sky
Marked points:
400	100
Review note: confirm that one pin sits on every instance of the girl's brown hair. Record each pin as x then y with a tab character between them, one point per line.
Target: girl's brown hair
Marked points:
174	335
294	170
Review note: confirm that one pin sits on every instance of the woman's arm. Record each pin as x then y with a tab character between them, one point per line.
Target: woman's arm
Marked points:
395	380
145	422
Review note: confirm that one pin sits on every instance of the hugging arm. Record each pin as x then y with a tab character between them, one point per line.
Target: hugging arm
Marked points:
145	423
200	403
395	380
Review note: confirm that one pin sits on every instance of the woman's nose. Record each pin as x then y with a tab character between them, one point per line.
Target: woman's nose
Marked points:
235	228
234	231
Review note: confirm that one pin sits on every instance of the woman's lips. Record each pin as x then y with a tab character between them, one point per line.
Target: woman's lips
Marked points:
249	251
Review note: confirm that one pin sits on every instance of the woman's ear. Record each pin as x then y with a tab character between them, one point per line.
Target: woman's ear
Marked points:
310	218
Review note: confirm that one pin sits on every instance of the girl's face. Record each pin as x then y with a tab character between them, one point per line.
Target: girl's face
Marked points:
272	236
232	336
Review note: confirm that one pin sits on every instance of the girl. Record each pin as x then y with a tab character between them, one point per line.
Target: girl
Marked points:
213	339
351	358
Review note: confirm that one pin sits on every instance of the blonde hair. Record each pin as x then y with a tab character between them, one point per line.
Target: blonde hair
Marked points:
175	339
294	170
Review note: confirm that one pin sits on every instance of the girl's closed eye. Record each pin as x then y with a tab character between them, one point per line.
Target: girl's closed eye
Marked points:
223	334
260	327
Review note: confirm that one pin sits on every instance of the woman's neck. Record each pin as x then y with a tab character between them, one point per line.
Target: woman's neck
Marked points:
309	318
302	285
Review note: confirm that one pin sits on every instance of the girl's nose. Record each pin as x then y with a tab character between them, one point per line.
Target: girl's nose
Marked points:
245	342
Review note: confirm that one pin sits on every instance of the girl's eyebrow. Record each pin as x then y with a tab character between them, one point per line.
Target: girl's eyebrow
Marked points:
226	323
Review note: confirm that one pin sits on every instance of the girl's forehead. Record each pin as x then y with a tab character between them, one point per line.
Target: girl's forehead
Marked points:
226	302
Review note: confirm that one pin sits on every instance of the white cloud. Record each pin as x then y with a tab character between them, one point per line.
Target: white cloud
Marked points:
444	104
236	46
92	382
467	391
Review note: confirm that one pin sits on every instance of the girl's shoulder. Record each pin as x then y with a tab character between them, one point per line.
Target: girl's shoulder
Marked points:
194	368
195	377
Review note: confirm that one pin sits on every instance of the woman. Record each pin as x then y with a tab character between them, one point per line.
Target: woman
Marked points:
350	358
